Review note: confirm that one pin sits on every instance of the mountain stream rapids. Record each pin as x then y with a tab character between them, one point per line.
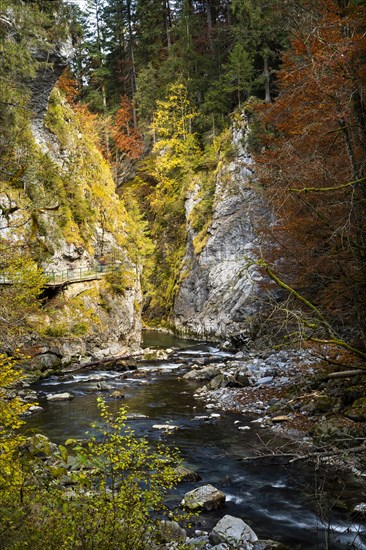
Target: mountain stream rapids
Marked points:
278	502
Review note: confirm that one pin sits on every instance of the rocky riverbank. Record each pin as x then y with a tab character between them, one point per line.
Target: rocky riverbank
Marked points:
293	392
305	395
177	393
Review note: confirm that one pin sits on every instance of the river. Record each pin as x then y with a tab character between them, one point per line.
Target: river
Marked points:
277	502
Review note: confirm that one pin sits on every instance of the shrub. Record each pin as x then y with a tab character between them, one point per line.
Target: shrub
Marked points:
106	493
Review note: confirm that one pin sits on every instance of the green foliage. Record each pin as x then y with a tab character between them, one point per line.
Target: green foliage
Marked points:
105	493
47	205
80	328
20	307
11	409
25	28
119	279
137	238
166	176
221	51
148	91
57	330
239	72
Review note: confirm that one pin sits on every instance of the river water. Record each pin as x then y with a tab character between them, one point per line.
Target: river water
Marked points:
278	503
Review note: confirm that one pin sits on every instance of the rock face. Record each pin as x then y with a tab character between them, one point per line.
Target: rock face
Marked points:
172	531
185	474
77	221
221	294
42	85
110	322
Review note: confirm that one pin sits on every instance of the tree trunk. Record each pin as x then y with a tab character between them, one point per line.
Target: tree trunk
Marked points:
209	25
132	51
266	80
168	23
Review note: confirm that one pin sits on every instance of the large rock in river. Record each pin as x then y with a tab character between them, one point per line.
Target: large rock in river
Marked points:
63	396
233	531
204	498
204	373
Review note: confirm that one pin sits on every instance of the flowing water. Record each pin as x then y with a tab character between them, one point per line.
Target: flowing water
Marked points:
276	501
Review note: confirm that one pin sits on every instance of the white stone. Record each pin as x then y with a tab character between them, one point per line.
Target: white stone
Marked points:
35	408
360	508
168	427
233	531
64	396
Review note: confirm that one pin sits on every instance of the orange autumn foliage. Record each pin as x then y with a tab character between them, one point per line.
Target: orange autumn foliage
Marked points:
92	124
126	137
68	85
314	161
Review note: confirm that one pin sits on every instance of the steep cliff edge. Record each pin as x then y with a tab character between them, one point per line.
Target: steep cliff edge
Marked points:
58	204
219	294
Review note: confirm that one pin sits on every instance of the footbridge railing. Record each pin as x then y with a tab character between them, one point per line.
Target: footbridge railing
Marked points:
64	277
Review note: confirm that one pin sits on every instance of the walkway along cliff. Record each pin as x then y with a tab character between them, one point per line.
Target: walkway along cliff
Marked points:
59	206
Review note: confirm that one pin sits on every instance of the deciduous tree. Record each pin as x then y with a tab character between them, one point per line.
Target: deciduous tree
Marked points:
314	164
126	136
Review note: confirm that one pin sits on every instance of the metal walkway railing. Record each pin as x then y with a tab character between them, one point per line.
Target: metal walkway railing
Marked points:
68	276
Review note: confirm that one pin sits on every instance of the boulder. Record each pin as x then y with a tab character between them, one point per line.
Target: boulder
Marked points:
233	531
64	396
28	396
243	378
185	474
206	373
360	509
48	360
100	386
205	498
357	411
167	427
171	531
264	381
39	445
197	543
223	381
35	408
117	394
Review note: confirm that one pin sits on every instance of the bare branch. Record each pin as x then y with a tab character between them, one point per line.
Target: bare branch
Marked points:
334	338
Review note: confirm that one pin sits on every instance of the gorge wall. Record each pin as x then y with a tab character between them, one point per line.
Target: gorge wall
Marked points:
61	207
220	294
